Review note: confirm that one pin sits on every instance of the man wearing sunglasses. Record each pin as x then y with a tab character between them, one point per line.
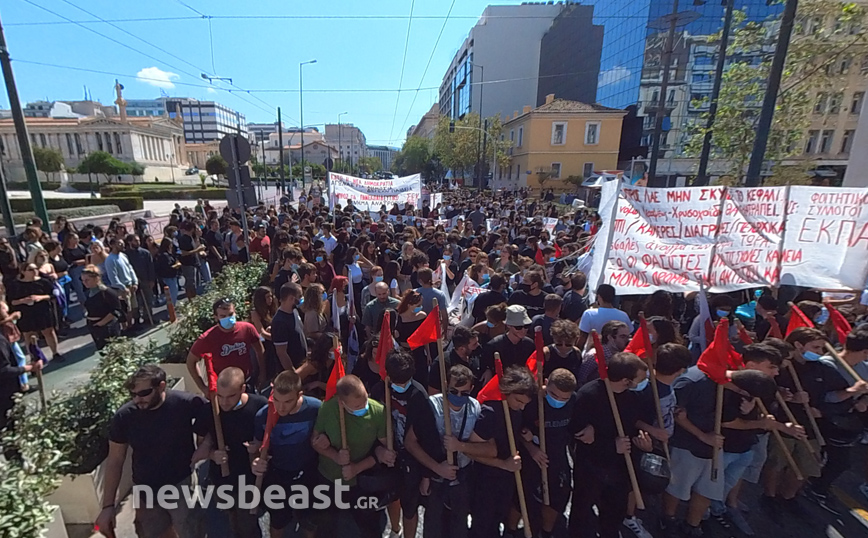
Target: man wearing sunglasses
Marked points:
159	425
514	347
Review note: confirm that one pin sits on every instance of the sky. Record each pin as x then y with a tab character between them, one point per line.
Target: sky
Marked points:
358	45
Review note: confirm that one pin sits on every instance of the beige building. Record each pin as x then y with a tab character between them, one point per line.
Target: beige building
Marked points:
557	140
316	152
198	154
427	126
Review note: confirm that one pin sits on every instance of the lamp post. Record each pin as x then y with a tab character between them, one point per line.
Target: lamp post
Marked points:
479	138
340	140
301	112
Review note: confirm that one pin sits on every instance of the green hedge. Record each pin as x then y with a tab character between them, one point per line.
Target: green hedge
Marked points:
175	194
106	190
125	203
70	213
23	186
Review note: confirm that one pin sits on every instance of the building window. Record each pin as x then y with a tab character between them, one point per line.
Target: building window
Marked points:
42	140
826	141
556	171
856	104
835	103
820	103
520	136
587	170
512	135
69	144
99	145
844	65
78	148
592	133
108	142
811	144
118	143
847	141
559	133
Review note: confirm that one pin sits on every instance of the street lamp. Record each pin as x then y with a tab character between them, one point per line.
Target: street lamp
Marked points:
212	79
301	110
340	139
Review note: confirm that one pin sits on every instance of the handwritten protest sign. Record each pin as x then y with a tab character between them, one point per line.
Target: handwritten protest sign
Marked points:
371	194
731	239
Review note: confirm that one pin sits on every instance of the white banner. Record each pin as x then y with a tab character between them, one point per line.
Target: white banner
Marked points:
731	239
436	198
372	194
549	224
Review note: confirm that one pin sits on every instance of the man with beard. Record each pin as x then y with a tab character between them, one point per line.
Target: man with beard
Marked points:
159	425
615	336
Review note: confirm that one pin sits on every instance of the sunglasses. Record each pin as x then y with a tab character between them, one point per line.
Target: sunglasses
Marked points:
142	393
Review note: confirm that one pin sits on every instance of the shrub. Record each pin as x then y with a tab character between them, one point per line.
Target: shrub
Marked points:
23	185
24	487
191	193
72	213
125	203
236	281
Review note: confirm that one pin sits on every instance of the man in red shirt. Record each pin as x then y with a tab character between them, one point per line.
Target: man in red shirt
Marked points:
230	343
261	244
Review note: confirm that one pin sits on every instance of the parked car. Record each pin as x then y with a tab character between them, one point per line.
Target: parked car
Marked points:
191	171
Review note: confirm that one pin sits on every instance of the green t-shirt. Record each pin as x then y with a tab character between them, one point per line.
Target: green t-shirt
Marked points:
362	434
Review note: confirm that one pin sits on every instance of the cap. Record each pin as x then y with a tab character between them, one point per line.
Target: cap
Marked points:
516	316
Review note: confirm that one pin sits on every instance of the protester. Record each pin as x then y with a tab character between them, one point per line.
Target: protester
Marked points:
103	307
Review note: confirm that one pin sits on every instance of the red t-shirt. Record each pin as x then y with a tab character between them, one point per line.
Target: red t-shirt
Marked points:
228	348
261	246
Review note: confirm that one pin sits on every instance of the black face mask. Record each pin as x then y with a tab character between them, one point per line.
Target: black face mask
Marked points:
525	287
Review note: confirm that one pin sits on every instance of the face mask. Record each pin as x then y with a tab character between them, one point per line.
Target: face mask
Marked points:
378	279
489	324
822	317
319	259
360	412
228	323
552	259
417	309
641	386
722	313
556	404
388	251
356	258
325	296
458	401
486	278
810	356
399	389
447	257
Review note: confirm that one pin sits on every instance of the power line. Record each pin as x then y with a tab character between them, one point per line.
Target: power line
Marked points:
191	8
421	80
403	64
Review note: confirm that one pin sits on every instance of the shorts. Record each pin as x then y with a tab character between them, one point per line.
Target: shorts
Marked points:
410	494
760	453
560	488
807	463
189	272
281	517
692	475
156	521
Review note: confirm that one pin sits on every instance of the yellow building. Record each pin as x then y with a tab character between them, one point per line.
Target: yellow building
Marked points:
557	140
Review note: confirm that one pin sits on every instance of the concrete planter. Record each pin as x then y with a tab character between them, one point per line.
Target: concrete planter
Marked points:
179	371
57	527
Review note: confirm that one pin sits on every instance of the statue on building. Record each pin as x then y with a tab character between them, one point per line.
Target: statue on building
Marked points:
120	101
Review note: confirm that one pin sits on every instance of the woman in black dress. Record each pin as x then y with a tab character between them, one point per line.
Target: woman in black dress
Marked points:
410	316
103	306
168	268
32	295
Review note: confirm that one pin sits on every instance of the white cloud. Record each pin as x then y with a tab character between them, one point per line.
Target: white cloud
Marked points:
157	77
613	75
211	90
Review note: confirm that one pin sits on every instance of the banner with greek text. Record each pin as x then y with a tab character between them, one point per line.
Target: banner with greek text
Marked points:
731	239
372	194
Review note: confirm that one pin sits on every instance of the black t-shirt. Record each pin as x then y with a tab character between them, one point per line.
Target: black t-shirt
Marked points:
103	302
186	244
72	255
215	239
574	306
558	433
287	329
510	354
818	378
483	301
696	394
283	276
452	359
737	441
238	428
161	439
572	361
492	425
593	407
532	303
163	265
406	406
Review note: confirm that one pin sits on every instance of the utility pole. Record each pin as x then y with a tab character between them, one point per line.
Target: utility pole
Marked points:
301	110
484	159
760	143
6	207
280	156
664	88
264	166
702	174
480	140
23	138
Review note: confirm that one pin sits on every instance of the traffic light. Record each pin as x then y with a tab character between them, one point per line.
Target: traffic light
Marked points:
451	126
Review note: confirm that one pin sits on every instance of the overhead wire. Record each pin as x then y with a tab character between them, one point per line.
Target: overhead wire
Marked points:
403	64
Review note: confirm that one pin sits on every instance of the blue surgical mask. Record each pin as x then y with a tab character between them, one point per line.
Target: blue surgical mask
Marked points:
399	389
360	412
552	259
228	323
822	317
810	356
489	324
295	267
378	279
486	278
641	386
447	257
458	401
556	404
325	296
319	259
722	313
417	309
356	258
388	251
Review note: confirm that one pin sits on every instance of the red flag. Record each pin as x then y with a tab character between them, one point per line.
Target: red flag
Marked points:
537	357
337	373
385	343
774	327
640	344
491	390
428	332
798	319
842	326
743	336
600	356
720	355
706	325
212	375
270	421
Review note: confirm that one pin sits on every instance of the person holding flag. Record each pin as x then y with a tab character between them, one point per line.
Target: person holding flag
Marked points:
563	353
461	352
286	426
238	411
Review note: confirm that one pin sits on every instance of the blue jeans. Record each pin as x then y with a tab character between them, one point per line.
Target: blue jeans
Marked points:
172	284
75	277
204	276
734	466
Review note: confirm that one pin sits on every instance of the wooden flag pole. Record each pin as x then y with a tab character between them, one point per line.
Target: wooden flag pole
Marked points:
540	363
43	402
718	419
844	364
780	440
519	486
218	429
336	345
444	390
792	418
811	419
654	390
390	436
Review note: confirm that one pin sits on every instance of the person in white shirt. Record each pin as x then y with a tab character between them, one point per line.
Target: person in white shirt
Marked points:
594	318
328	240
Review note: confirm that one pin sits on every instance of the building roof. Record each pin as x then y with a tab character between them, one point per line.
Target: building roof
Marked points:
565	106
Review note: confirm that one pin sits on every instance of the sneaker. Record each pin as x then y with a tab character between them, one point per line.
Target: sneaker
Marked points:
722	520
823	500
58	357
743	507
864	439
393	534
635	525
669	527
863	488
771	506
739	521
691	532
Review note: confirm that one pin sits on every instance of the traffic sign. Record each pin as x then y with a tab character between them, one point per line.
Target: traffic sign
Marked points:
242	148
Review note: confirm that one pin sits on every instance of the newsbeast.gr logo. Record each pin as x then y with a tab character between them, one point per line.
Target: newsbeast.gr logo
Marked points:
247	496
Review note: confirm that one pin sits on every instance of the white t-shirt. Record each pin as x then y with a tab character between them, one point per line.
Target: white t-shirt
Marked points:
593	319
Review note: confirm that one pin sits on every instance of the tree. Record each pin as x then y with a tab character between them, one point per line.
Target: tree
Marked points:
460	150
136	168
827	37
413	157
48	160
369	165
216	165
101	162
